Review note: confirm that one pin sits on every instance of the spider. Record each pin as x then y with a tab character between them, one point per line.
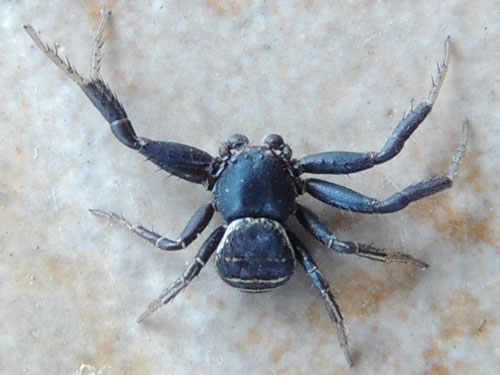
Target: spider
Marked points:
255	187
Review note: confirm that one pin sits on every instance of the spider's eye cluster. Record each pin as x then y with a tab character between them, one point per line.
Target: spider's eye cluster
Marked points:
273	141
276	143
235	141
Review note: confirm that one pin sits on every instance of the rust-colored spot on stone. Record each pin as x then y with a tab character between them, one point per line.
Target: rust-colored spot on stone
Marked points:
319	351
438	370
461	318
460	315
404	314
397	368
216	6
96	8
263	316
237	6
221	7
221	304
457	223
435	352
289	370
450	222
313	313
474	177
132	87
385	358
278	350
342	222
253	337
370	290
462	368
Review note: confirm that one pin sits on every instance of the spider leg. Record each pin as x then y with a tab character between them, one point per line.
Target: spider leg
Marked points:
341	162
347	199
95	63
183	161
206	250
52	54
321	284
321	232
196	224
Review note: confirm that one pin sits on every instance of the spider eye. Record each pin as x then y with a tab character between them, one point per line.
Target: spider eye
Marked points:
237	140
273	141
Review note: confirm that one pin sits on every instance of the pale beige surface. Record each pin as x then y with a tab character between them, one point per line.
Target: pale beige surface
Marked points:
336	76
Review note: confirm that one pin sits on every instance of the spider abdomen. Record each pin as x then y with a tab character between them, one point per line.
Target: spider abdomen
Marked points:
255	255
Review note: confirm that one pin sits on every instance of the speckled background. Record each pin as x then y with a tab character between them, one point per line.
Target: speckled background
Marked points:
325	75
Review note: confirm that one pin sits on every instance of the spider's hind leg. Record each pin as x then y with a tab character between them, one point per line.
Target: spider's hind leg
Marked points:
202	257
321	284
196	224
321	232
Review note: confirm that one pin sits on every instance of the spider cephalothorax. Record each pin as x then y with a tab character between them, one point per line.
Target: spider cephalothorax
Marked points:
255	187
255	181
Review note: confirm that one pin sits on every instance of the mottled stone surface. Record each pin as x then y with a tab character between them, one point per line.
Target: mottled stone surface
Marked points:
324	75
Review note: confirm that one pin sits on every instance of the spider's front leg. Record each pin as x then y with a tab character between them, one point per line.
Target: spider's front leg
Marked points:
183	161
343	162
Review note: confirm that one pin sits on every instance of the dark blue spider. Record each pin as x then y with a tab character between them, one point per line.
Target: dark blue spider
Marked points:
255	188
